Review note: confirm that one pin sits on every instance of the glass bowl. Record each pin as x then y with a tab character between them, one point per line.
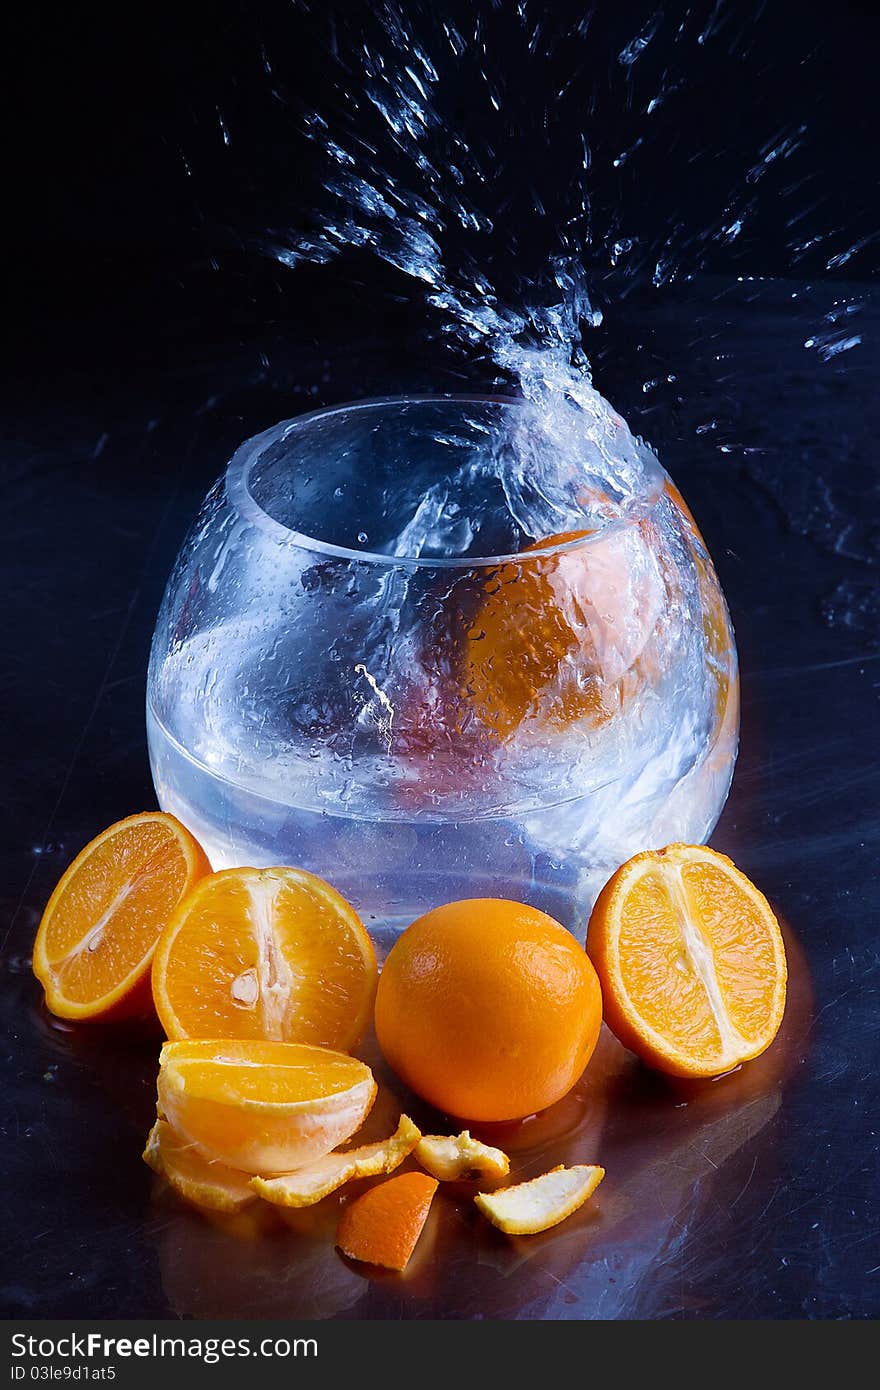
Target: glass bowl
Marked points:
433	648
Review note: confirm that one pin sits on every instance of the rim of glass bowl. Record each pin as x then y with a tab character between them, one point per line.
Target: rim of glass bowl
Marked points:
242	499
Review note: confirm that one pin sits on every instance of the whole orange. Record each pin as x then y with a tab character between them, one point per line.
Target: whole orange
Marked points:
488	1009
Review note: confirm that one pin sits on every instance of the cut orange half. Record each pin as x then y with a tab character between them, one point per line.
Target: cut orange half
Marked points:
99	930
690	959
262	1107
265	953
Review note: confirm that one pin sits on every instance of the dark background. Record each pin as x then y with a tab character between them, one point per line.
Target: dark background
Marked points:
148	333
126	210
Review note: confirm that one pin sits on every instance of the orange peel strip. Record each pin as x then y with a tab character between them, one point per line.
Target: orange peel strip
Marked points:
529	1207
310	1184
449	1157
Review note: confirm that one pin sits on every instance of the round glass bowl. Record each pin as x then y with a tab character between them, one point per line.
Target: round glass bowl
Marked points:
443	647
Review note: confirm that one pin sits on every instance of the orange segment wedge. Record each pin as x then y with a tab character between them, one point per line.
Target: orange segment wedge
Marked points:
265	953
263	1107
530	1207
383	1226
96	940
308	1185
196	1179
691	961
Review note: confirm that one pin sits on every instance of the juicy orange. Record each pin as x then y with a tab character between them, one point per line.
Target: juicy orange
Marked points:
556	634
383	1226
205	1183
262	1107
691	961
265	953
98	933
488	1009
530	1207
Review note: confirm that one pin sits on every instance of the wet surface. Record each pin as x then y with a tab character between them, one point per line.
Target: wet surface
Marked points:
753	1196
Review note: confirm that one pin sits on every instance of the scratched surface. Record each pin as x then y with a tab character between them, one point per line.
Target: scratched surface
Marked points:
755	1196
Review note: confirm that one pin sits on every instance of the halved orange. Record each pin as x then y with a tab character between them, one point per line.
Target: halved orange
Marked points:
265	953
262	1107
690	959
98	933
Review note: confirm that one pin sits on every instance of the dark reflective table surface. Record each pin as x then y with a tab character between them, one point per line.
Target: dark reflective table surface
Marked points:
752	1196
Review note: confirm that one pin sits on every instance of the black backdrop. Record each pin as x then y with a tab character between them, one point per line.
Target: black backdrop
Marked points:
125	207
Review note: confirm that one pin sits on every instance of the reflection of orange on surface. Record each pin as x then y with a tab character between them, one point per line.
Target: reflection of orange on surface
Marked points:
691	961
265	953
383	1226
99	930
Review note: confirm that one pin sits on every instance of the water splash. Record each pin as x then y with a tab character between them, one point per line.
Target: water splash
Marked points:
501	159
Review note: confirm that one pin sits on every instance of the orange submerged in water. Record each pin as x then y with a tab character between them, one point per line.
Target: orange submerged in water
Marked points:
488	1009
556	634
691	961
98	933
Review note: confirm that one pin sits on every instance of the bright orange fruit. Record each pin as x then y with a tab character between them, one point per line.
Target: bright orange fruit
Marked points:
691	961
262	1107
382	1227
265	953
488	1009
98	933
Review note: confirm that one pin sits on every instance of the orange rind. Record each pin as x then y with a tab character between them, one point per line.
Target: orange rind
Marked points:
382	1227
317	1180
530	1207
452	1157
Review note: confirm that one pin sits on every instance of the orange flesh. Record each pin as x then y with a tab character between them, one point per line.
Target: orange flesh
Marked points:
104	919
265	1074
691	961
272	953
